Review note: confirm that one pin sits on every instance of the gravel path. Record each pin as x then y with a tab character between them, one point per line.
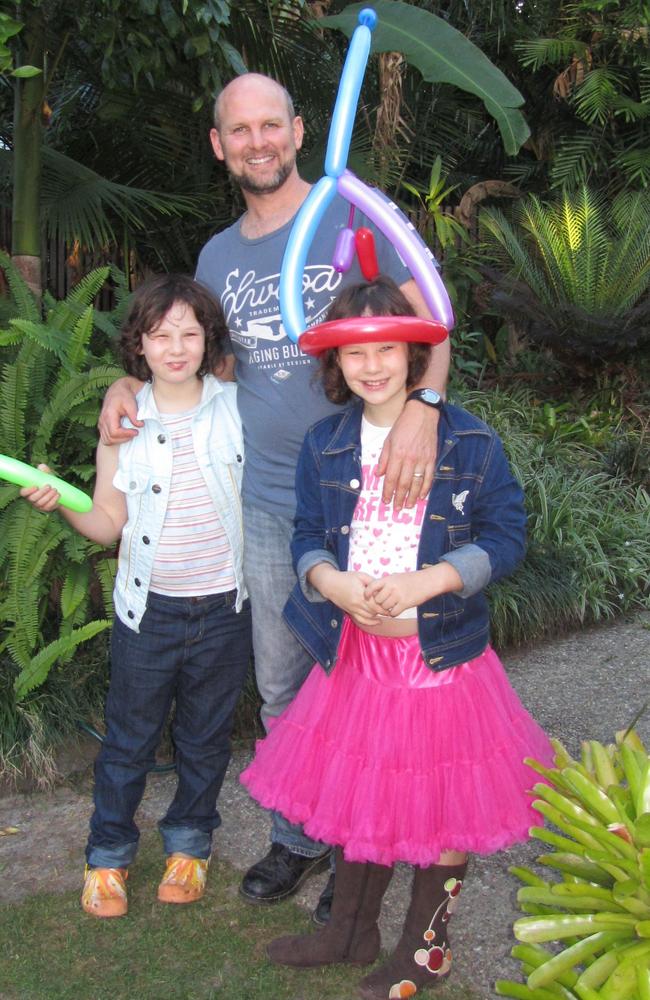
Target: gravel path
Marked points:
584	686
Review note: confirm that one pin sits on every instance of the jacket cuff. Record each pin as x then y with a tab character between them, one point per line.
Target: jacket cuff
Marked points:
307	562
473	564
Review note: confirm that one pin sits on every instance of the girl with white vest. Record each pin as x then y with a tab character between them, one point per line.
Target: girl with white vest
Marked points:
182	626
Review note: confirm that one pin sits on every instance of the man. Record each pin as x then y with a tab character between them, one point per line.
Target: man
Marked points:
257	136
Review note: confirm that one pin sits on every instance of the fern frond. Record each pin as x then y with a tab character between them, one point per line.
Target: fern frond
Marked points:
106	570
74	589
24	300
40	665
45	336
73	390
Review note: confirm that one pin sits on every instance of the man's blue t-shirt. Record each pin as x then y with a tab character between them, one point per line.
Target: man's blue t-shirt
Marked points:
279	396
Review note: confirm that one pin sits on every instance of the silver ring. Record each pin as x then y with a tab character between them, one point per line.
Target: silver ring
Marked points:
418	475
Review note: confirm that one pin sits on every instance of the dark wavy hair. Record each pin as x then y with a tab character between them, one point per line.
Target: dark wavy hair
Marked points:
151	301
379	297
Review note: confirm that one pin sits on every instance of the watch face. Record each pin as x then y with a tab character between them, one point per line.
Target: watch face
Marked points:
431	396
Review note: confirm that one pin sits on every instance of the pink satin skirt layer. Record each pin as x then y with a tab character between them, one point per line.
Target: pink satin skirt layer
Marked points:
394	762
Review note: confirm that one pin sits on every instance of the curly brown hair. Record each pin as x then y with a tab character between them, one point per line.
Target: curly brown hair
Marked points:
379	297
152	300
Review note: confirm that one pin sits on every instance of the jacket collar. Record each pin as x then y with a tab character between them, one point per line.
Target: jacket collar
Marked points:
347	432
454	422
147	409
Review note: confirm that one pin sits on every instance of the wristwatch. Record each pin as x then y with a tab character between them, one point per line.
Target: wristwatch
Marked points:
428	396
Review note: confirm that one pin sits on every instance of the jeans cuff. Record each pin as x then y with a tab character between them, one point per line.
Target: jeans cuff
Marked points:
115	856
291	835
185	840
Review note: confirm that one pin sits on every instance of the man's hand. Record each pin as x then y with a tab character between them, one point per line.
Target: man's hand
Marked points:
119	402
346	590
408	458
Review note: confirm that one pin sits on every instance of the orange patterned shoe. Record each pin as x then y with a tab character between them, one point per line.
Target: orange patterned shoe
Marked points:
104	892
184	879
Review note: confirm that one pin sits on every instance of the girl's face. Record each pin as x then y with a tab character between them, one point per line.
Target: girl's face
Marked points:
376	372
174	349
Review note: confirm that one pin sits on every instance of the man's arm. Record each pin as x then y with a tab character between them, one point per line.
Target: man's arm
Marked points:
411	446
119	402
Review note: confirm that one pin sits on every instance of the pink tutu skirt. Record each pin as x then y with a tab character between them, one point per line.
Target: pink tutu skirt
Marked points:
394	762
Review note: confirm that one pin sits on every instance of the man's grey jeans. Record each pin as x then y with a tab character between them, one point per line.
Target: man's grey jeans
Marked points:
281	663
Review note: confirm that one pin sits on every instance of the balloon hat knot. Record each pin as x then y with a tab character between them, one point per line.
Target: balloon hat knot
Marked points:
368	17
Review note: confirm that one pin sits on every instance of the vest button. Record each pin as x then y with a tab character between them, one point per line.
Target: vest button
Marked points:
345	530
354	483
137	582
146	539
130	614
161	439
334	623
239	458
156	488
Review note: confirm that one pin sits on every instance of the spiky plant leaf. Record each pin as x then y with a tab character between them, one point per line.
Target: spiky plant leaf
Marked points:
38	668
610	952
573	272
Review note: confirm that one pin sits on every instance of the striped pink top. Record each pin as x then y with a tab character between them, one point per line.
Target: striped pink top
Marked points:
193	557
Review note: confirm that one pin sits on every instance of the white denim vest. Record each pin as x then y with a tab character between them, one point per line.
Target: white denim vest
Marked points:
144	476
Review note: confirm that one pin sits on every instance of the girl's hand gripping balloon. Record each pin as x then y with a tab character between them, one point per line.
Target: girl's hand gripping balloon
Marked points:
26	475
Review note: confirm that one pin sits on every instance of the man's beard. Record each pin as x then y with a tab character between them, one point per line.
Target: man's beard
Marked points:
267	186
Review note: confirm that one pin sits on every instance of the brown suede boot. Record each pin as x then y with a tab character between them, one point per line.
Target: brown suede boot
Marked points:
352	935
422	958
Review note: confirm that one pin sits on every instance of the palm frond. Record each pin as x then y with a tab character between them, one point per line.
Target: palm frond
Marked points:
577	156
596	97
538	52
80	204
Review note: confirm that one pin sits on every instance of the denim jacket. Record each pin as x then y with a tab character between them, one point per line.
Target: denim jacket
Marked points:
474	519
144	476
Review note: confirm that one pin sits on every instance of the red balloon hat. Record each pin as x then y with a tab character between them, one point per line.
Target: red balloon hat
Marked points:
369	330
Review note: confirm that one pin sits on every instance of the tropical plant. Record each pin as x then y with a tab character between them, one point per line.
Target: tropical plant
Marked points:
439	223
588	530
97	46
573	274
592	117
52	380
597	915
442	54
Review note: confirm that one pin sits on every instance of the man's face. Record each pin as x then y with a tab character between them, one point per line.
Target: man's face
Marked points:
257	139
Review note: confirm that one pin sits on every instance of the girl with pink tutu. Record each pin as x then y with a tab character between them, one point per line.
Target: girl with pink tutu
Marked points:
406	742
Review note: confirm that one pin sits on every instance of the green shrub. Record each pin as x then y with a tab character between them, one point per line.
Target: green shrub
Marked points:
53	373
598	913
589	530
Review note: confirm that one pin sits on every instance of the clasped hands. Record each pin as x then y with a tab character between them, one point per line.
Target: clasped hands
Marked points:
367	599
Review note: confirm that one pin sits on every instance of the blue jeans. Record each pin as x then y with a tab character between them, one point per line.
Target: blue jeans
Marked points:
195	650
281	663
